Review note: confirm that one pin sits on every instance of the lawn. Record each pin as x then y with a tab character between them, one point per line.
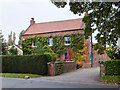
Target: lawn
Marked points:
111	79
18	75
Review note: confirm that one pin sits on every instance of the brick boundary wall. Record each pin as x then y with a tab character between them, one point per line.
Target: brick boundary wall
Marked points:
58	68
102	69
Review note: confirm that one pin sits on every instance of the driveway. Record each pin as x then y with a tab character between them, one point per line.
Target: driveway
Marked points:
82	76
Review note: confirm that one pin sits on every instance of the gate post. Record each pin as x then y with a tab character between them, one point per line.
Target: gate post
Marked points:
101	62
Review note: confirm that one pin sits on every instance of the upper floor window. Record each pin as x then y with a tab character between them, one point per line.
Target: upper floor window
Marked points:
67	40
34	43
50	41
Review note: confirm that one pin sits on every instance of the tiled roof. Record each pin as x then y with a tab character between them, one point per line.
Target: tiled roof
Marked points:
54	26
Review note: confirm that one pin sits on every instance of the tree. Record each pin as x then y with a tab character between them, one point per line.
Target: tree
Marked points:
113	52
20	37
103	17
13	51
3	45
11	38
14	38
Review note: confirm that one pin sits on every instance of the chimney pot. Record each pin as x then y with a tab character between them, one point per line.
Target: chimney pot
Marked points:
32	22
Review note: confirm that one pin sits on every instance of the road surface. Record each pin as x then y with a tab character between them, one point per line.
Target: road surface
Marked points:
23	83
81	78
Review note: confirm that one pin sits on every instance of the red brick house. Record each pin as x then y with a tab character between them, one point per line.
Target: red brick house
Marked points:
60	28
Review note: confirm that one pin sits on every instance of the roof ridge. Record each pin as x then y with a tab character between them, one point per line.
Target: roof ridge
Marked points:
58	21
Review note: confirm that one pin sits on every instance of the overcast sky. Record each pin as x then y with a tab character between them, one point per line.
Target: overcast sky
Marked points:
15	15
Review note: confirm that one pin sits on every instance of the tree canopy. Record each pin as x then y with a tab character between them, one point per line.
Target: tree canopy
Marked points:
3	45
20	37
13	51
103	17
11	38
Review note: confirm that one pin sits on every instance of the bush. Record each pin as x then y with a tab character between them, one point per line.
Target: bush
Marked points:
112	67
49	56
35	64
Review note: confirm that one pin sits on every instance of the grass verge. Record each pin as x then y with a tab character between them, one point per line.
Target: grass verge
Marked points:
111	80
18	75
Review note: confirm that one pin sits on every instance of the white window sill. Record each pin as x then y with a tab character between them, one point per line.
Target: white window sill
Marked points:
67	44
34	46
49	45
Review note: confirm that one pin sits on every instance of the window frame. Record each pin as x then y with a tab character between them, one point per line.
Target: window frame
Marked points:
34	43
65	56
50	42
66	40
95	58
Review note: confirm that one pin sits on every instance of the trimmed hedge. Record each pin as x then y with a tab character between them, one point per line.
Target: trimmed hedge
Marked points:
112	67
35	64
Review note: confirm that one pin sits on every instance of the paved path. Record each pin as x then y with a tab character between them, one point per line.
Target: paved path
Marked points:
82	76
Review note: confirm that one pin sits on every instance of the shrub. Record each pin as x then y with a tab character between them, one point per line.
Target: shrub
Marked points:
35	64
112	67
13	51
47	49
49	56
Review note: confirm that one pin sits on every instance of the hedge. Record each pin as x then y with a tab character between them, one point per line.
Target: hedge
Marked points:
112	67
35	64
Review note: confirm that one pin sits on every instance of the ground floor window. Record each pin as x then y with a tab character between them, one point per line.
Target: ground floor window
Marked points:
65	55
95	58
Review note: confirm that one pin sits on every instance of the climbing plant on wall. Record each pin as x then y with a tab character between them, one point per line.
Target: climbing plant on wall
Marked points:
76	43
81	55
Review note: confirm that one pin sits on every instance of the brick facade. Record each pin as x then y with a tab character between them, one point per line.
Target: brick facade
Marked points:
96	57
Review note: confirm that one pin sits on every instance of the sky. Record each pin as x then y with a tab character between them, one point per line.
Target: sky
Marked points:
15	15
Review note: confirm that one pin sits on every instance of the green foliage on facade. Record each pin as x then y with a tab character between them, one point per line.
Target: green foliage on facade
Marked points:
39	49
112	67
58	47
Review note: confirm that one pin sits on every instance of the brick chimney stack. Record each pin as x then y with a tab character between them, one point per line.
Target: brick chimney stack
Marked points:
32	22
86	13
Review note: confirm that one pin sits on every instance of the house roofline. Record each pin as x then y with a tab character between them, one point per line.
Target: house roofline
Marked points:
16	47
53	32
26	30
58	21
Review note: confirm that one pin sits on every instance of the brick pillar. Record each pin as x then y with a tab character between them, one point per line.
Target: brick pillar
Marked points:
102	69
50	69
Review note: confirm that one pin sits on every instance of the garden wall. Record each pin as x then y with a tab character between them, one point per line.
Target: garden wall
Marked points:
35	64
61	67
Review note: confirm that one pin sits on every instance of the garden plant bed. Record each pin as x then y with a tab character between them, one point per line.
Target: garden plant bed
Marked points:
114	80
18	75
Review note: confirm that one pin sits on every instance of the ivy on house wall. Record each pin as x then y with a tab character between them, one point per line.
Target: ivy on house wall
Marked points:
59	47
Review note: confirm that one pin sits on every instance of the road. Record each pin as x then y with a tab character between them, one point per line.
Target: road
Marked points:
23	83
81	78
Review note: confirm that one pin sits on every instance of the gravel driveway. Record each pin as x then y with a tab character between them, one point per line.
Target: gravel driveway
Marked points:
82	76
